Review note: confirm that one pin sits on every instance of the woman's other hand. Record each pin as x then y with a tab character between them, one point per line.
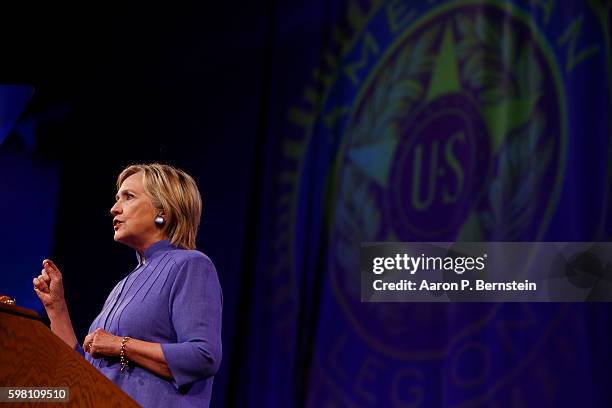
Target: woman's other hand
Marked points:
102	343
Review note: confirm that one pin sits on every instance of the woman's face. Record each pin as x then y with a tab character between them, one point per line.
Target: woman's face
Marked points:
134	215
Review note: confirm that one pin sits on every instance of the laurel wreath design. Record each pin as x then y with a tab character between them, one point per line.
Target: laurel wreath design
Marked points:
489	57
396	91
519	174
496	69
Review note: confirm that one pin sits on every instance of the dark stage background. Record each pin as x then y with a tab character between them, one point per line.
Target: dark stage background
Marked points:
311	127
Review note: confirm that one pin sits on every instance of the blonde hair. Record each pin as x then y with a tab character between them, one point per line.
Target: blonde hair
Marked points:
176	194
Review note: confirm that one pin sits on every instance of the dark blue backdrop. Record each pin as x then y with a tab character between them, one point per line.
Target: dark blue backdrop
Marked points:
303	124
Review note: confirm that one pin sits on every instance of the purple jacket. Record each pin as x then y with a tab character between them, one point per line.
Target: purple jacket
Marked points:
173	297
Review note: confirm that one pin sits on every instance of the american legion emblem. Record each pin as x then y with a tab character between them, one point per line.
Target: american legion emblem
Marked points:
432	121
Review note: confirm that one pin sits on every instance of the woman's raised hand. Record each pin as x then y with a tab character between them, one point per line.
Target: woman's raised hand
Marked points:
49	288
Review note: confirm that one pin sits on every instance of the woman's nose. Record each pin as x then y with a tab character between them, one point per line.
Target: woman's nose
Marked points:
116	209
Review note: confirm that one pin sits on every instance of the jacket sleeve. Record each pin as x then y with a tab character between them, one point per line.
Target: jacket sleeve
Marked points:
79	349
195	305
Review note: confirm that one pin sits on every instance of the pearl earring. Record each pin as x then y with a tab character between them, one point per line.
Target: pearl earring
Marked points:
159	220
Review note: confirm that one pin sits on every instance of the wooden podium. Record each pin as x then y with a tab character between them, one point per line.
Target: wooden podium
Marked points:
32	356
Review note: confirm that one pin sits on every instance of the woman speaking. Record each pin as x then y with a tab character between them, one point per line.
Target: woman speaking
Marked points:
158	336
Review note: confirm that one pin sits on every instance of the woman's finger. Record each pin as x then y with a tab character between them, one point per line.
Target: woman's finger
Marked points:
41	295
42	284
37	283
87	343
51	264
45	276
50	271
